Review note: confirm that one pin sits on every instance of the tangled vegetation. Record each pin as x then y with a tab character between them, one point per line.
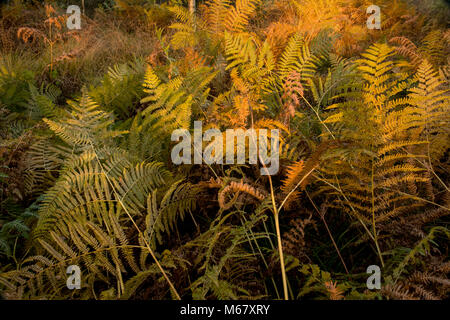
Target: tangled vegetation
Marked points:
86	179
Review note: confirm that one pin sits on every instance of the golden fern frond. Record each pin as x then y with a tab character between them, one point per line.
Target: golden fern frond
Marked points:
434	48
238	16
430	101
61	201
151	83
184	36
278	33
376	67
292	174
171	103
84	244
84	191
87	124
135	183
182	14
373	178
298	175
170	108
297	57
215	13
267	123
240	49
43	161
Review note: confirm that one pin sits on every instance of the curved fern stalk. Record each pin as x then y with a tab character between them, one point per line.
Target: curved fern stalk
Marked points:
236	188
305	176
321	213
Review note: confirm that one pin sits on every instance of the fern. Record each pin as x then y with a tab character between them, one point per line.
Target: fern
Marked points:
120	89
423	247
297	57
235	187
216	13
237	17
431	107
219	279
175	202
386	137
86	125
102	256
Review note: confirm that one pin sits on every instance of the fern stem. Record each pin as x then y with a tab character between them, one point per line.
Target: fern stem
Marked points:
268	233
375	235
51	48
280	252
277	221
280	245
